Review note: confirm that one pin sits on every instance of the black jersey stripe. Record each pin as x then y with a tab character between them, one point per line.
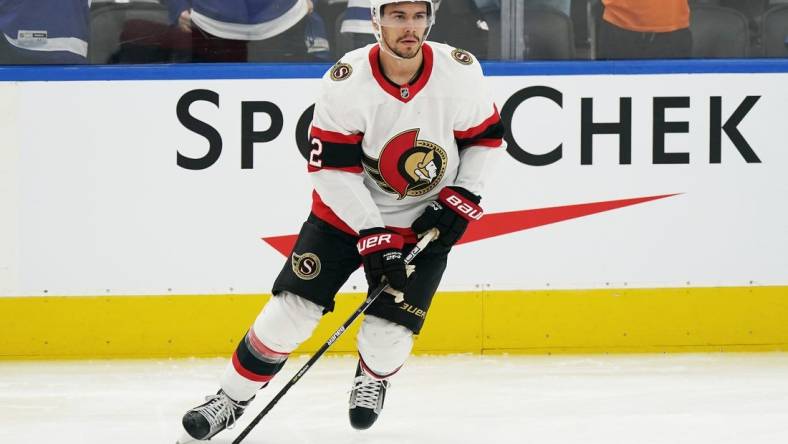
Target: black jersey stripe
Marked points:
490	136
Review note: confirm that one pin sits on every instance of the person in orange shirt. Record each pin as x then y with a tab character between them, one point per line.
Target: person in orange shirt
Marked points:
644	29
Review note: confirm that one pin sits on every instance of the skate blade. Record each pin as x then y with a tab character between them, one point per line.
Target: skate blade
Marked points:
185	439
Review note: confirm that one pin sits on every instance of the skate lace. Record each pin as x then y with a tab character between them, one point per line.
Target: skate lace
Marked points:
367	391
220	409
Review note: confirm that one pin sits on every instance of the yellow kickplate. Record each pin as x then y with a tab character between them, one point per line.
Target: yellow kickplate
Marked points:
576	321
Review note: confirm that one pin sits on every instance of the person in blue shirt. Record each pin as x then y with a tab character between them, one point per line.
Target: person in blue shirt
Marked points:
32	33
285	30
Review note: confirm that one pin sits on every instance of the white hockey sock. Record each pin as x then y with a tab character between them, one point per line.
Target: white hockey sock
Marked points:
383	345
285	322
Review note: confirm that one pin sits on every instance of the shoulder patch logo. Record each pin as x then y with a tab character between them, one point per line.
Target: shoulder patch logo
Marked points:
462	56
341	71
306	266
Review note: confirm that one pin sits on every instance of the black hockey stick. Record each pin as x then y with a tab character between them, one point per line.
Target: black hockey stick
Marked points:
426	239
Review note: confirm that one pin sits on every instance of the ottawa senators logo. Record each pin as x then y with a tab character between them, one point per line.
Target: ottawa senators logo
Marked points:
407	166
462	56
341	71
306	266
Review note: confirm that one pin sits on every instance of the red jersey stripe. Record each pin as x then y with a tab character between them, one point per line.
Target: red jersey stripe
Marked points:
480	128
357	170
395	91
490	143
327	215
335	137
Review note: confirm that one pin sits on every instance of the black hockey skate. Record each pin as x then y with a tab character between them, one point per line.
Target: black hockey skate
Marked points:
366	399
206	420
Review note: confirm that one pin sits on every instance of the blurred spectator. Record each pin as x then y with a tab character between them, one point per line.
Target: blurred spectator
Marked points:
44	31
643	29
357	24
462	23
221	30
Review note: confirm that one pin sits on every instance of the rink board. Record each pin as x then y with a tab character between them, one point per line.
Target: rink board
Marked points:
485	322
669	235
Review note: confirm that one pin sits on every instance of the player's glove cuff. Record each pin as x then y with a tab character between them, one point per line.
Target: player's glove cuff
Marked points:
373	240
462	202
381	254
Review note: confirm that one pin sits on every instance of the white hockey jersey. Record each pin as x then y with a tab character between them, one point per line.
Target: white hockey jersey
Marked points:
381	152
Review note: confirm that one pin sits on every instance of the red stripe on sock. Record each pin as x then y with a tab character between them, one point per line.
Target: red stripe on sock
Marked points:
373	374
248	374
263	349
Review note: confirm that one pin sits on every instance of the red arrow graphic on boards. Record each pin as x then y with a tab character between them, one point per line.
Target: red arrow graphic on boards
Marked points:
498	224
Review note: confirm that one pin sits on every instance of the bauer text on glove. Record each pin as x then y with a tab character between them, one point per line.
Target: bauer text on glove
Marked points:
450	214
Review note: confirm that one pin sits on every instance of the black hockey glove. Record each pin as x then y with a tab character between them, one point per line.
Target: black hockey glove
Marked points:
450	214
381	253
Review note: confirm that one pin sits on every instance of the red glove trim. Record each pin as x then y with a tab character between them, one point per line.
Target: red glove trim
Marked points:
379	241
460	204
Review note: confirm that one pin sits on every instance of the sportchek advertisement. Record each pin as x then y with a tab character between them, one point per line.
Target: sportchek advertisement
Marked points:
158	187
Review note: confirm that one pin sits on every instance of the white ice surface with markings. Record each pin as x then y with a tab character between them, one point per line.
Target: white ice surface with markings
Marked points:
684	398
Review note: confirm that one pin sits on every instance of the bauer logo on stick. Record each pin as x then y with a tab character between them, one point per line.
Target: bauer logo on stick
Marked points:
306	266
341	71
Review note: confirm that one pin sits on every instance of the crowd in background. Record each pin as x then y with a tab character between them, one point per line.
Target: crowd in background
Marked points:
167	31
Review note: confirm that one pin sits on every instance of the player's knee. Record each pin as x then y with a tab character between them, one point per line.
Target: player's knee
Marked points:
286	321
383	345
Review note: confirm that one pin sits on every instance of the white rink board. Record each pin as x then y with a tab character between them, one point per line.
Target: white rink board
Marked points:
100	206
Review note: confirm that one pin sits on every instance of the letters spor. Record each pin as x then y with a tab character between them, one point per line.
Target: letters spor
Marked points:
589	127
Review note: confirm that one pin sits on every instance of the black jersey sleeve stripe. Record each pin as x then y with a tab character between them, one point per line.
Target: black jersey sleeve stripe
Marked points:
335	155
335	150
333	136
491	137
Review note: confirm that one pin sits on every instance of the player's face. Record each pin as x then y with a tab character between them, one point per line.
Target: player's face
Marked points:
403	26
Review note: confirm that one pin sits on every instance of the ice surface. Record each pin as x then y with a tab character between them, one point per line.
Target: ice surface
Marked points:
685	398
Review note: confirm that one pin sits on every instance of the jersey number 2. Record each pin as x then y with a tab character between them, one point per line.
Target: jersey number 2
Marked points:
314	155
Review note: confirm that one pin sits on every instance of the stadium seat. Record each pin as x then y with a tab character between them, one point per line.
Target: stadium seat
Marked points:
753	10
718	32
775	31
549	34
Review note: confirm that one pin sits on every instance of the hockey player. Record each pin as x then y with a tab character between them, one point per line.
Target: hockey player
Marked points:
402	138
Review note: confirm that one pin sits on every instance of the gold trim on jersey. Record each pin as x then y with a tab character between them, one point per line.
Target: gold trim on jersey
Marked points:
341	71
422	167
462	56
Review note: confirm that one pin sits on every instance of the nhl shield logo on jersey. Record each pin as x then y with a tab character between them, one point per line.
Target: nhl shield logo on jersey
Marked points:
407	166
462	56
306	266
341	71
